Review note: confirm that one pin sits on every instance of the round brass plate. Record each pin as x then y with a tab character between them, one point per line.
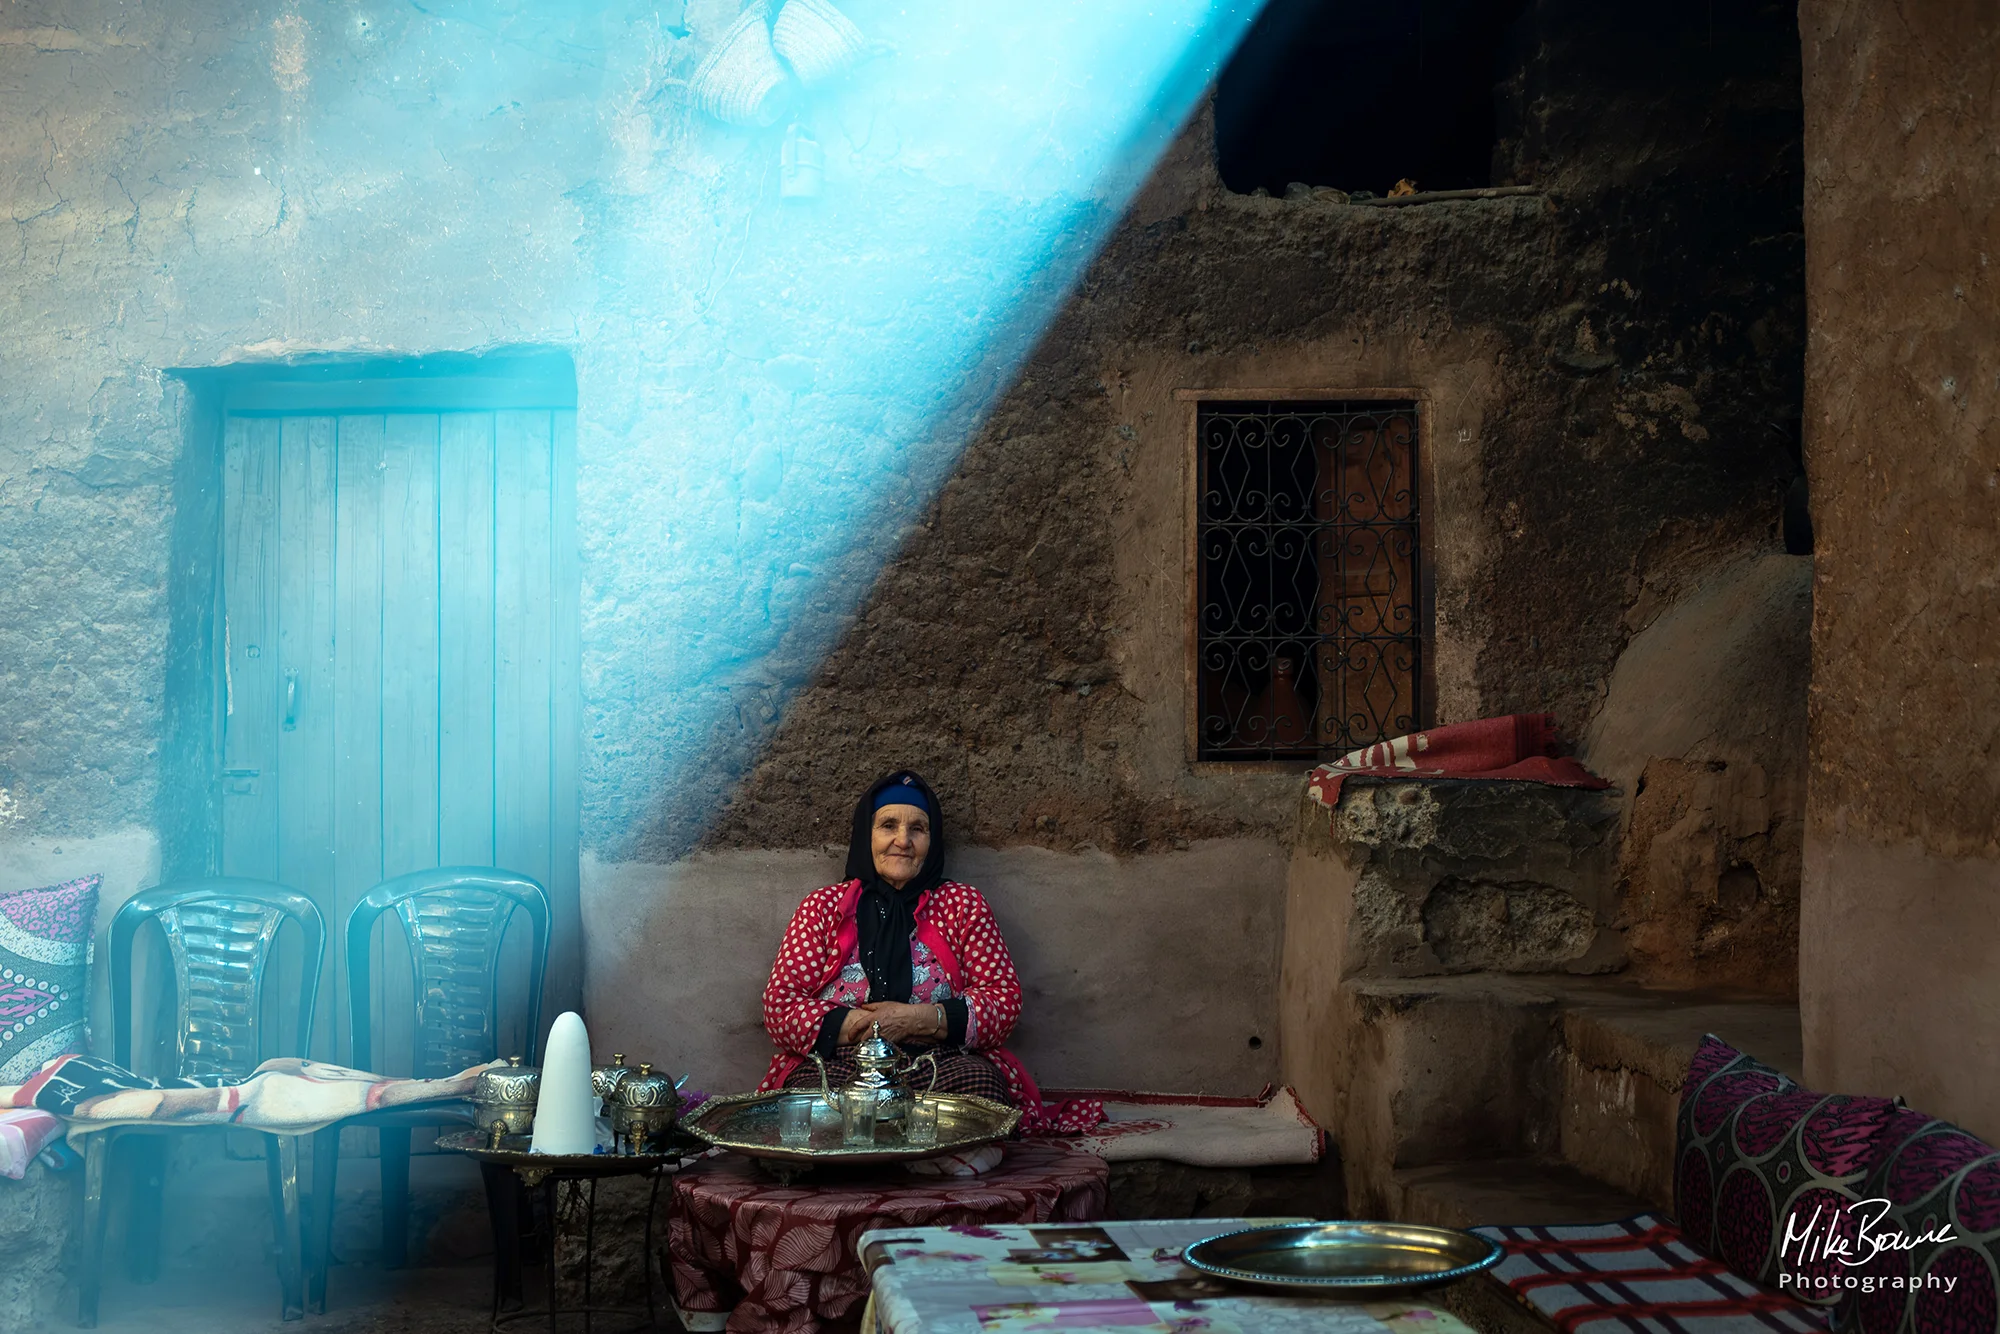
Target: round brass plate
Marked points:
1344	1257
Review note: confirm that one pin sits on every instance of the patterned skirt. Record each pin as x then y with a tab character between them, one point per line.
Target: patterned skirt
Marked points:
958	1071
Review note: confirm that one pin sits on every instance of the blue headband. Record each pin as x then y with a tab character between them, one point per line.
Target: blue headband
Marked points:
903	792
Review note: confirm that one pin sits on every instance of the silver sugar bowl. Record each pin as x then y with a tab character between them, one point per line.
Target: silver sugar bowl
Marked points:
506	1096
645	1110
605	1079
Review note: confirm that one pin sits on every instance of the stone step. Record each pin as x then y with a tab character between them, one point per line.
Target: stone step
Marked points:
1624	1056
1520	1191
1434	1070
1502	1066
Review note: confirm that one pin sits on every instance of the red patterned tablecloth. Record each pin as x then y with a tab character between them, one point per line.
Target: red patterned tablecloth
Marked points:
779	1258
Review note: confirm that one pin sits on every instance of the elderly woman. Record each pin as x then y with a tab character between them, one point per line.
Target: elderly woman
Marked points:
898	945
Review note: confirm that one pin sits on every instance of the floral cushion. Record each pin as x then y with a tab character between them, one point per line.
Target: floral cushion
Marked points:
1761	1162
44	974
1936	1180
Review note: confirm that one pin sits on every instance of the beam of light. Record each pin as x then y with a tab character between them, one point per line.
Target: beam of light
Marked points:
817	365
770	388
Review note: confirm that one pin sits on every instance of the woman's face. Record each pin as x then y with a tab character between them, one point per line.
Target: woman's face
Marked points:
902	839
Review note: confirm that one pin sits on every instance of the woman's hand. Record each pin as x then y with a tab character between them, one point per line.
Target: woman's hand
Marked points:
900	1023
855	1026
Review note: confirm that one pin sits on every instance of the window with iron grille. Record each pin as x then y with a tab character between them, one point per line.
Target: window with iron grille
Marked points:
1309	641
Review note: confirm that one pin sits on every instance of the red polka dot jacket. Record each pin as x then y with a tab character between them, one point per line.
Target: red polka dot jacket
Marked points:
956	928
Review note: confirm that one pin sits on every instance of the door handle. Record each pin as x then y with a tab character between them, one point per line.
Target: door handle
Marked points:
291	701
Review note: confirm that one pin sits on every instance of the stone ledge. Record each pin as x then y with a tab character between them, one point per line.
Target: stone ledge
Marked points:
1499	1066
1517	1191
1655	1033
37	1215
1155	1188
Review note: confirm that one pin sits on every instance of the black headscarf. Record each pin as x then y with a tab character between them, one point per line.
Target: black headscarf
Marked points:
885	917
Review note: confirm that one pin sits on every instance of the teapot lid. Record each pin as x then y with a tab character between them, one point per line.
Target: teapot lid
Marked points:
875	1049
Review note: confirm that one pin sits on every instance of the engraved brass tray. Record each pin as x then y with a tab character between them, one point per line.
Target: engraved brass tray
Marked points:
747	1123
1343	1258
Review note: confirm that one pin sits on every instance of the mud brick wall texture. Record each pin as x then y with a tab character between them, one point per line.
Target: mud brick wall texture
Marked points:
1639	332
1899	948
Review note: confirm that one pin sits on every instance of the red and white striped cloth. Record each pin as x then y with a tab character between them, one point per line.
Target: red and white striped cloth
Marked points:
1637	1277
1517	748
24	1132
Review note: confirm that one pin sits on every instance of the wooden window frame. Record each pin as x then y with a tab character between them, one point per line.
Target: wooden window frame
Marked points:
1191	402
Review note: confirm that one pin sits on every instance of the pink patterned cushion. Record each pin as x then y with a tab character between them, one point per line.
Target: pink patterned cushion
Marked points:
1758	1156
44	974
1934	1177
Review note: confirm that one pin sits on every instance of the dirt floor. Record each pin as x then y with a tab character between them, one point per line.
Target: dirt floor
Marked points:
365	1300
453	1300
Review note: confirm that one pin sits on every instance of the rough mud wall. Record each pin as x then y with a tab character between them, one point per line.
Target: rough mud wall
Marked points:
1614	372
1704	725
1664	339
84	514
1900	948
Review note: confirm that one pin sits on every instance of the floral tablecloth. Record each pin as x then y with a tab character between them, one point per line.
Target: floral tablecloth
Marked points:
748	1254
1113	1278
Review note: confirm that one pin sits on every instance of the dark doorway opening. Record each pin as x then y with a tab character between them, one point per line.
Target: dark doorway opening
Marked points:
1361	96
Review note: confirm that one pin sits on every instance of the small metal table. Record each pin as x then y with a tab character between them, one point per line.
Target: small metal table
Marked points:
510	1167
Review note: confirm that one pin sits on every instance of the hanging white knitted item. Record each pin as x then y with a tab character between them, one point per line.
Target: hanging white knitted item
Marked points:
741	81
818	41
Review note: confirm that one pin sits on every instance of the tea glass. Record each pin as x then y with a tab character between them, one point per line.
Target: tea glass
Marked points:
795	1122
857	1117
920	1123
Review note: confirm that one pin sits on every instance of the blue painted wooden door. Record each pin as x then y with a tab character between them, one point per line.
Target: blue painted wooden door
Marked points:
400	666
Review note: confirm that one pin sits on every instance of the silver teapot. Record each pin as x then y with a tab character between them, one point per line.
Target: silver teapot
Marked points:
880	1072
505	1096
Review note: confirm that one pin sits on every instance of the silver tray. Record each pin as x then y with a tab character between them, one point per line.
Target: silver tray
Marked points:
1345	1258
747	1123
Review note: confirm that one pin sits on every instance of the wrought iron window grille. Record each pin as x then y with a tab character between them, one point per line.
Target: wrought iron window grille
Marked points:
1307	548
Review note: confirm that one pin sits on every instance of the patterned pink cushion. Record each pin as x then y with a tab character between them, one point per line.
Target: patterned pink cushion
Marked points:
44	974
1756	1153
1933	1176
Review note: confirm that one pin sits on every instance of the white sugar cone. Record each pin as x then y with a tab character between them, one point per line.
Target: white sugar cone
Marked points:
563	1119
